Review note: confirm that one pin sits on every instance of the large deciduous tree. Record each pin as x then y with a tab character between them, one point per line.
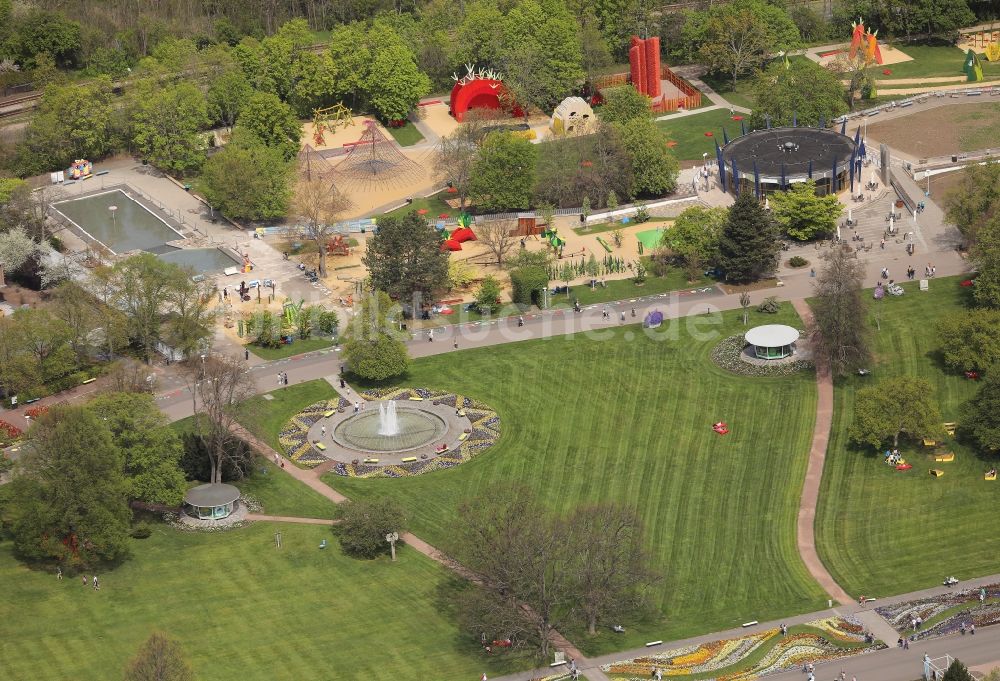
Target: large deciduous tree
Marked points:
373	348
903	405
625	103
394	83
985	254
739	37
168	124
803	214
272	121
226	96
498	238
981	415
842	337
219	385
655	168
504	174
970	340
975	201
694	238
799	91
68	496
261	195
364	525
151	450
457	153
405	260
748	247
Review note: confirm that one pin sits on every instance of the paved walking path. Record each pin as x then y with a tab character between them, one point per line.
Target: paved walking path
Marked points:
289	519
805	529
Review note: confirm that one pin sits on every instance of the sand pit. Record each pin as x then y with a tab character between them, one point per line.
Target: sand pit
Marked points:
890	55
943	130
336	139
437	118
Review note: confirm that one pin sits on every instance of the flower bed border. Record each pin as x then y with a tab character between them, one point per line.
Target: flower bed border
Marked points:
726	355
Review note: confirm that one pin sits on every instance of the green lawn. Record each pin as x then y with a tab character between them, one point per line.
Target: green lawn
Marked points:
741	96
605	418
601	227
689	133
883	532
933	60
435	205
407	136
297	347
241	610
267	416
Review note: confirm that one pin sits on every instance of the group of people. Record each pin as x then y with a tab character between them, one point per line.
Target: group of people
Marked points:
892	457
83	579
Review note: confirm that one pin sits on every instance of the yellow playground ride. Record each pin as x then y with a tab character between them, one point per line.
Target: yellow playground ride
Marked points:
329	119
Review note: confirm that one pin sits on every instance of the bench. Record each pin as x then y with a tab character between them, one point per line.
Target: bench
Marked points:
320	446
950	427
936	472
89	380
416	398
945	458
463	437
930	443
409	459
371	460
328	414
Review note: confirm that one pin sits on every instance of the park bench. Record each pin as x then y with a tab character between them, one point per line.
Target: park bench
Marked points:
416	398
371	460
936	472
930	443
463	437
329	413
409	459
320	446
947	457
949	427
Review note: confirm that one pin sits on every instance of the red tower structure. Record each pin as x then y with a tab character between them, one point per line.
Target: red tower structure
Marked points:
644	66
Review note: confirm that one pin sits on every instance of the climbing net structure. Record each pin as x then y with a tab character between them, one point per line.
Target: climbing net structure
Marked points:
376	162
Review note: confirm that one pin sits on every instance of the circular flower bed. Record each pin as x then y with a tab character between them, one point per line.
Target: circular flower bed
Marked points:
727	355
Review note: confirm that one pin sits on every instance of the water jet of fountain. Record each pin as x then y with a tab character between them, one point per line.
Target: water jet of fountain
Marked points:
388	422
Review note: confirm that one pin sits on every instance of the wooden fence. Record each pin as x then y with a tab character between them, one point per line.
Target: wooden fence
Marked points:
691	98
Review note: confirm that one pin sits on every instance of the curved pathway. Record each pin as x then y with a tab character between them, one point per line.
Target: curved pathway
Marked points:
805	530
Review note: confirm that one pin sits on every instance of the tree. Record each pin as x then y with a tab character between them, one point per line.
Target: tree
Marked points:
803	214
739	36
365	524
394	84
189	316
624	104
263	194
159	659
654	166
17	250
748	247
970	341
957	672
460	273
799	91
488	295
498	238
523	554
312	81
405	260
457	153
610	570
321	204
981	415
221	384
78	309
694	237
68	497
273	122
976	201
504	174
372	347
584	170
150	449
71	122
842	337
527	283
40	31
985	255
167	124
902	405
227	96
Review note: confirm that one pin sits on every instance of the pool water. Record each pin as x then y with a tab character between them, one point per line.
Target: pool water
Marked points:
201	260
132	227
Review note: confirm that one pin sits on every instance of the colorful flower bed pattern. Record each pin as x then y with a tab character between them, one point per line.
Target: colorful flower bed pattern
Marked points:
817	641
485	430
294	437
945	613
726	354
9	432
35	412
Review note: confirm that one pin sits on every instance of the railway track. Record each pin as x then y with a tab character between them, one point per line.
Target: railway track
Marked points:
17	105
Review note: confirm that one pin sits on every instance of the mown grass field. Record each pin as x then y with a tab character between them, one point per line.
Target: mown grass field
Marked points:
883	532
297	347
689	133
241	609
587	420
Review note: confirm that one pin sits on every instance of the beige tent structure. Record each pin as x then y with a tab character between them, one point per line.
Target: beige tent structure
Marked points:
573	116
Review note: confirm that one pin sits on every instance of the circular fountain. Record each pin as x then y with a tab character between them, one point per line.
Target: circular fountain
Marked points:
393	428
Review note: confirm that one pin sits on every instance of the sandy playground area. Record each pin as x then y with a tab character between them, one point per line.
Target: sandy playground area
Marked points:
943	130
890	55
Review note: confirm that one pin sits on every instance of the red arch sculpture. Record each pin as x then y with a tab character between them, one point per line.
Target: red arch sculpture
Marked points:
481	93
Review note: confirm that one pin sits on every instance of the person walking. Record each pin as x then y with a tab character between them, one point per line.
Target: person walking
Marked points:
84	578
246	355
430	335
97	587
59	572
279	378
882	244
456	344
357	407
322	431
286	377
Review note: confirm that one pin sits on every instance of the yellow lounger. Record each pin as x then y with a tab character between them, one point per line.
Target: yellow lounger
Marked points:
946	458
320	446
936	472
409	459
463	437
990	477
417	398
930	443
330	413
371	460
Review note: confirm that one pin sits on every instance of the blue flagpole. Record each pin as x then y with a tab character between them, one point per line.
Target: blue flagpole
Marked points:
736	178
843	127
725	135
852	172
743	126
722	166
810	169
833	178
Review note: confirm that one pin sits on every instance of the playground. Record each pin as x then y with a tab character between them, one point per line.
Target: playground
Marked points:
884	531
697	492
964	127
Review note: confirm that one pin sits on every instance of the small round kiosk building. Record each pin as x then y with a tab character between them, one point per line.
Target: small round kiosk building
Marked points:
211	501
772	341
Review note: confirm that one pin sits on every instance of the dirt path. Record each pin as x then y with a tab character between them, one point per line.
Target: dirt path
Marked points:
805	531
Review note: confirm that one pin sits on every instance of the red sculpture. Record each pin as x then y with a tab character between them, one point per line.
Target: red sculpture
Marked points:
644	65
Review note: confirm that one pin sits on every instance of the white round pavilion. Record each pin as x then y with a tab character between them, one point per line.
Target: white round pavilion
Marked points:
211	501
772	341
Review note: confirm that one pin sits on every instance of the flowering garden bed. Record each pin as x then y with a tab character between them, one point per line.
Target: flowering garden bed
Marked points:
727	353
484	432
945	613
753	655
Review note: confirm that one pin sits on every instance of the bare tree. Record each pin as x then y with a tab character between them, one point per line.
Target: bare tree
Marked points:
522	554
129	376
159	659
841	338
498	238
219	385
457	153
321	204
610	573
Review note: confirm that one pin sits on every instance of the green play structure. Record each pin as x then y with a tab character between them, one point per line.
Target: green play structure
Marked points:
973	67
552	236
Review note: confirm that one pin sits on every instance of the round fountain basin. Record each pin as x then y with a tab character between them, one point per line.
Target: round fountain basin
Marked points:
416	429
